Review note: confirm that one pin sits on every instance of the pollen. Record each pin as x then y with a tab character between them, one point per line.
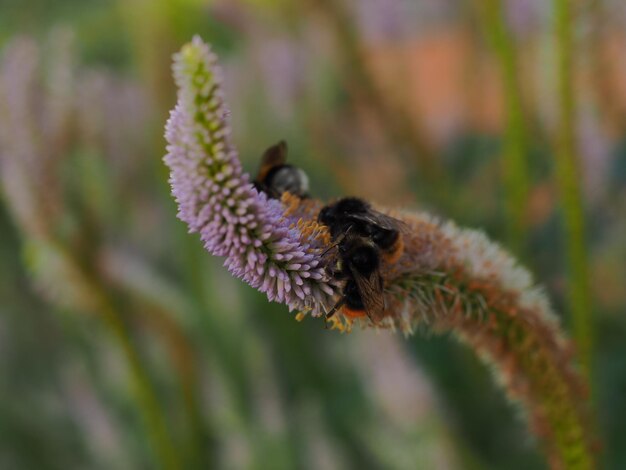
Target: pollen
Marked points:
340	323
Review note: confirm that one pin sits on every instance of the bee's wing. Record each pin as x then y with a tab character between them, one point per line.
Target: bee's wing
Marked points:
274	156
381	220
371	290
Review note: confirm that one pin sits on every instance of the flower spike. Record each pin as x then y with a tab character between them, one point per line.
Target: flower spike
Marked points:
262	245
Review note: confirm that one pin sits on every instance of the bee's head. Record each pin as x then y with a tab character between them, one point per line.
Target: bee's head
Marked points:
326	216
341	209
350	206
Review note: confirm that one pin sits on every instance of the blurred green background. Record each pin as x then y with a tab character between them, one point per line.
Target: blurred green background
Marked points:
118	331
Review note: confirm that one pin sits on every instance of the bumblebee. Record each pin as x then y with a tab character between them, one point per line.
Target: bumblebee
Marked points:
354	215
276	177
365	239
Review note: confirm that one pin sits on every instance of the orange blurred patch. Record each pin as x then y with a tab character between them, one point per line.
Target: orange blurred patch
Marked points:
541	201
446	79
443	78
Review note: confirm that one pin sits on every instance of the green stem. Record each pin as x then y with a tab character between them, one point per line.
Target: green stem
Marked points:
568	179
515	164
146	396
525	351
201	446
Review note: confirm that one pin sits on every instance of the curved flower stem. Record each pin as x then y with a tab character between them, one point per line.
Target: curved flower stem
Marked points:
525	363
515	163
568	179
456	280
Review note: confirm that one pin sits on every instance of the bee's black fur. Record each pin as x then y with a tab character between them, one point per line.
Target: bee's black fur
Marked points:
352	296
356	215
362	235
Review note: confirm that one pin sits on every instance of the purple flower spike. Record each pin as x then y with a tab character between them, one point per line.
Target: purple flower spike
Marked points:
262	245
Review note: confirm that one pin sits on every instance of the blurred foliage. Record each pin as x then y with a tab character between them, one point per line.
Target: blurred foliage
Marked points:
239	383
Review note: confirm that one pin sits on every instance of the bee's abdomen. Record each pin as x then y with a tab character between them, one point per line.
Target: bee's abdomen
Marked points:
287	178
354	301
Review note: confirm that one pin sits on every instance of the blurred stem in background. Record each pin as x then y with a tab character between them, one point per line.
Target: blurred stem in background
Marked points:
97	300
221	340
155	29
164	305
35	149
151	40
155	421
296	352
200	447
568	180
602	72
515	161
405	135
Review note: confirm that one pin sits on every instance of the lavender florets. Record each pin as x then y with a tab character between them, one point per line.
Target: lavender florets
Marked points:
262	245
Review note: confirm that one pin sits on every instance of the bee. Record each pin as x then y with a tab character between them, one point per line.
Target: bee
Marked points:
365	239
351	214
275	176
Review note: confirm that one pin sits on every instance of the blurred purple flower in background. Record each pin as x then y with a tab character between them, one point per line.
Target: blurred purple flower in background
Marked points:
524	16
283	68
385	20
595	152
109	110
35	122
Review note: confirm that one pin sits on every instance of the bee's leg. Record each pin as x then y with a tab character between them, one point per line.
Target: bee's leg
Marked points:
330	247
333	310
338	240
327	316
